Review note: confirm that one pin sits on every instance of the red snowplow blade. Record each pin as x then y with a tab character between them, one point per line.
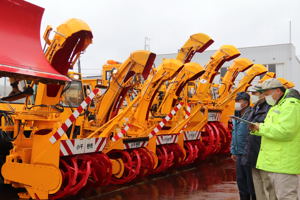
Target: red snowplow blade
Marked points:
21	55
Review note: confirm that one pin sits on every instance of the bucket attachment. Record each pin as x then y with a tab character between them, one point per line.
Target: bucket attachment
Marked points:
21	55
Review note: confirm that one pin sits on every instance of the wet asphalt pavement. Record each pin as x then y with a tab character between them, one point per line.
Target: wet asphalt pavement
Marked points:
209	180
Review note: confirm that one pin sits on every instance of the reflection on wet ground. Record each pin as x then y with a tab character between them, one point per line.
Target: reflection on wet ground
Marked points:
210	180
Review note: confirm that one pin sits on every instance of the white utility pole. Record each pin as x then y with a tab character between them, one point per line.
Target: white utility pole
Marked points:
290	32
147	43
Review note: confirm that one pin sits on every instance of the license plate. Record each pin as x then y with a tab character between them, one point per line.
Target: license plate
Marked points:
134	145
166	139
192	135
213	116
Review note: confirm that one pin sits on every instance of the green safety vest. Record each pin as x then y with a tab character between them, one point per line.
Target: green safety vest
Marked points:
280	143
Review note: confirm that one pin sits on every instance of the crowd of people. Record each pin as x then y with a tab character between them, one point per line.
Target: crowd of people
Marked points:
266	147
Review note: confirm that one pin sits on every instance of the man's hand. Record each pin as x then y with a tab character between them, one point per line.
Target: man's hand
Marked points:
233	157
254	127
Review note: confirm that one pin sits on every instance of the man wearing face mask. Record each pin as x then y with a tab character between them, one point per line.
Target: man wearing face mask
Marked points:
240	134
279	155
258	114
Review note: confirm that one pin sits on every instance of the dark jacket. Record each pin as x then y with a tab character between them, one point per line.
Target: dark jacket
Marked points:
240	133
258	114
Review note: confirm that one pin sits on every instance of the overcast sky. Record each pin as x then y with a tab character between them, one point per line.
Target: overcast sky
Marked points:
120	26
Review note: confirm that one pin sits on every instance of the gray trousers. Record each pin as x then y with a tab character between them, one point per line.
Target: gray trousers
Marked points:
276	186
258	180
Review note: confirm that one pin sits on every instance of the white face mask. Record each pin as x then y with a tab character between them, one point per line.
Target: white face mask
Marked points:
238	106
270	100
254	99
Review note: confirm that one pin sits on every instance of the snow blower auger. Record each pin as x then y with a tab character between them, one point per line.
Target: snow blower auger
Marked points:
119	79
210	139
128	156
169	145
108	119
185	152
192	138
131	151
171	149
132	138
218	118
34	163
213	125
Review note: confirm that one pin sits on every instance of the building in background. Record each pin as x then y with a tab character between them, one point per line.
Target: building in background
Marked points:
279	58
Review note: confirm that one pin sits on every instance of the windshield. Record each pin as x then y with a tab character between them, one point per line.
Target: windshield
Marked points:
73	94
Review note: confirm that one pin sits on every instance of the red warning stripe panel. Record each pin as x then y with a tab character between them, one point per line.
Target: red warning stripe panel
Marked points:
64	127
81	146
100	144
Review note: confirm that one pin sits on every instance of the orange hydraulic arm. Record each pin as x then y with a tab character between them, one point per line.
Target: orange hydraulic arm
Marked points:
166	71
225	53
286	83
189	72
239	65
268	75
71	38
124	78
226	104
136	116
255	70
137	112
196	43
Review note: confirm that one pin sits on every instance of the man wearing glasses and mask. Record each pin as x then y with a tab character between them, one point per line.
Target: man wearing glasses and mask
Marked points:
279	155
